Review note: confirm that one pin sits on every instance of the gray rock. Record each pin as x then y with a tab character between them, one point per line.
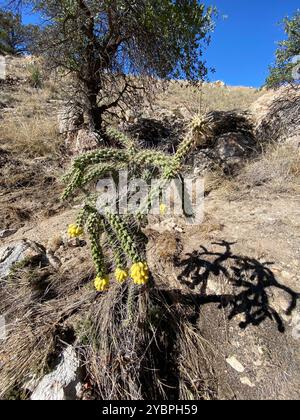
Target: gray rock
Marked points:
64	383
164	131
17	252
234	145
277	114
82	141
70	118
235	364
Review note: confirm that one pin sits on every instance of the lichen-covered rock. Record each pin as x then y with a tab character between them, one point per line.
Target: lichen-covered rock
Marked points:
234	145
64	383
70	118
82	141
18	252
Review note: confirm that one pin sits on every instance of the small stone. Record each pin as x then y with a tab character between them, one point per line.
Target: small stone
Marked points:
76	243
246	381
260	350
286	275
235	364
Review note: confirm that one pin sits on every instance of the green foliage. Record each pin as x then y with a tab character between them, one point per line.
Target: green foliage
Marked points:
288	49
104	43
35	75
162	38
15	38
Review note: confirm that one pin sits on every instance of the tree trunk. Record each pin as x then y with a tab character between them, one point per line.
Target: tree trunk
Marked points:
91	106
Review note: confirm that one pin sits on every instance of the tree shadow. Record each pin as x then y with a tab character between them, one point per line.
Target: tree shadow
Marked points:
250	278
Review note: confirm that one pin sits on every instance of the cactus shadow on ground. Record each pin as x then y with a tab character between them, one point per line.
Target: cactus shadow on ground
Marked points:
251	283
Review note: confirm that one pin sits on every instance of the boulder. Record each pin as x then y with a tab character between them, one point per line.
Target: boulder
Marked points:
234	146
277	114
18	252
70	118
64	383
82	141
230	143
164	131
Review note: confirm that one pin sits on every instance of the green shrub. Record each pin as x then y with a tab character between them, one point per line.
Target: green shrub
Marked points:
35	76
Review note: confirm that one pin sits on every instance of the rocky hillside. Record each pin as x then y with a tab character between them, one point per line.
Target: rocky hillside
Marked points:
224	312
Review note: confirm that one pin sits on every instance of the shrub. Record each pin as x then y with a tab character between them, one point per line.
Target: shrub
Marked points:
35	76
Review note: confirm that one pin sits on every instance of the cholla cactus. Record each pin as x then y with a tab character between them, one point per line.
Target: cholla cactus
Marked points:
121	138
128	255
201	128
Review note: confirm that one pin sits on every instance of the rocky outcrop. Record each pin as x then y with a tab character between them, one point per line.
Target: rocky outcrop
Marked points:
78	138
163	131
19	252
230	143
277	115
64	383
81	141
70	118
232	149
5	233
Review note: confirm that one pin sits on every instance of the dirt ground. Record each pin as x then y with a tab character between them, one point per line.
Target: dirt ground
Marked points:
242	267
241	270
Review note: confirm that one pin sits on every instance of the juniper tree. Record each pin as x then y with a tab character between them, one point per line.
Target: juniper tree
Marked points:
287	55
106	44
15	37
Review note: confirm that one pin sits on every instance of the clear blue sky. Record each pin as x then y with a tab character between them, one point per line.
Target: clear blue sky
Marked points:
244	41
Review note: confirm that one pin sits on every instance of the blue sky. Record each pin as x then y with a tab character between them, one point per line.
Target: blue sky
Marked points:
244	41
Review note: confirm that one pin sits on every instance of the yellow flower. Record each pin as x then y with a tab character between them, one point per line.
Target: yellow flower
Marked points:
162	209
74	231
121	275
101	283
140	273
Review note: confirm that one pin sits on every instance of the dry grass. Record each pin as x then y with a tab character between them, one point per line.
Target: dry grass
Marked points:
182	98
37	316
153	356
277	170
150	357
32	137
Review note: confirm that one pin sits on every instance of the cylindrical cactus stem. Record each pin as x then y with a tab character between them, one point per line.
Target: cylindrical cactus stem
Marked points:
184	149
83	216
152	157
121	138
116	247
102	155
73	184
95	173
122	233
130	305
94	230
153	195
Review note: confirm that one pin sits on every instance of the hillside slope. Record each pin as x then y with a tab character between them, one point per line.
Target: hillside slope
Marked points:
224	312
